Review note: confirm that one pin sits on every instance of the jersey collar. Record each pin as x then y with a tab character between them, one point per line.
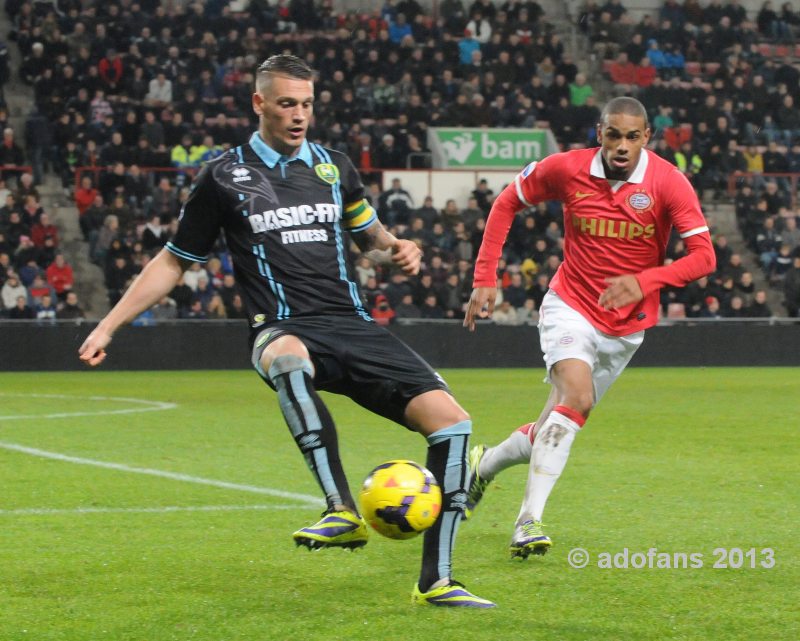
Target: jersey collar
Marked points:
598	171
270	157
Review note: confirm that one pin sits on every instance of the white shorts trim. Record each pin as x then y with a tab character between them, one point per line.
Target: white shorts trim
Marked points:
565	333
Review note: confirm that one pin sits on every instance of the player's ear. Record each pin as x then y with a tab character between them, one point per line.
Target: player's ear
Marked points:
258	102
599	133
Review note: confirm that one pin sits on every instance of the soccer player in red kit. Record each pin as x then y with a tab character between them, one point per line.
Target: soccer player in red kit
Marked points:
620	203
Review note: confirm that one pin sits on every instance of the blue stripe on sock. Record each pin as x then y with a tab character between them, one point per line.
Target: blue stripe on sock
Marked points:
454	479
312	424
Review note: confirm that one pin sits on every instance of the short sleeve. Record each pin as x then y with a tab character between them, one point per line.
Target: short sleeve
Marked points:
533	184
200	220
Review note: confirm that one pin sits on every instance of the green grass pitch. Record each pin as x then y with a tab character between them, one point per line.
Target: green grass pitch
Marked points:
175	524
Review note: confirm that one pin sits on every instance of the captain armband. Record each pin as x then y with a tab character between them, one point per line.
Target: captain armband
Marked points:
359	215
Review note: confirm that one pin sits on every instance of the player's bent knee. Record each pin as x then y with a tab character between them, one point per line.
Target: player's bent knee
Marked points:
287	363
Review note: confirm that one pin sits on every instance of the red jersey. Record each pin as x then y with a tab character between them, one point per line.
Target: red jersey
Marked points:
609	230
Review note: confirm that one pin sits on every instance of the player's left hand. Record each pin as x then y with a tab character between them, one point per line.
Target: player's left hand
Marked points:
407	255
621	291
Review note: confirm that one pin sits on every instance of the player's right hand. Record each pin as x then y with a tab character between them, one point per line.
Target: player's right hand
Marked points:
481	305
93	351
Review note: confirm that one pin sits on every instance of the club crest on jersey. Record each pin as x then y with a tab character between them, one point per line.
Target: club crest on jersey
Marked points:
640	201
241	174
327	172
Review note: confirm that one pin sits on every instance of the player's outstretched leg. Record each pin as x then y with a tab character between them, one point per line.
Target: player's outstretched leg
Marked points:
447	461
315	434
549	457
487	462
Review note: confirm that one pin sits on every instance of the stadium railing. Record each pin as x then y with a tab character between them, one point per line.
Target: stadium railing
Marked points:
792	178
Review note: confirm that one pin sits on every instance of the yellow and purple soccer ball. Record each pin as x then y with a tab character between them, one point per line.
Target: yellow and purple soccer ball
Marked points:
400	499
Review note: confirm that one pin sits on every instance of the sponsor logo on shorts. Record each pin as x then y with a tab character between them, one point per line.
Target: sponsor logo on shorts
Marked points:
566	340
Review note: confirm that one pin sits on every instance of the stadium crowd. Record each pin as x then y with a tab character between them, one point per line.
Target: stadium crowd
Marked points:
123	87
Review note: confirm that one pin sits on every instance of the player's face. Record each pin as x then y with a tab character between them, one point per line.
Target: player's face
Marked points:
284	107
622	138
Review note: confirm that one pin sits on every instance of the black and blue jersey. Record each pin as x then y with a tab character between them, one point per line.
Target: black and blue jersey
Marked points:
286	222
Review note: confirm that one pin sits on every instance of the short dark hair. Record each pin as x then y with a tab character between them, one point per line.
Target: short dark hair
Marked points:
284	65
625	105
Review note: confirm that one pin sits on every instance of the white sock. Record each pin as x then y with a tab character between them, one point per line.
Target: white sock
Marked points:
549	456
516	449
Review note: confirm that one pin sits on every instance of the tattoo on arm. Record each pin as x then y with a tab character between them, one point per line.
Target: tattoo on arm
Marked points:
374	237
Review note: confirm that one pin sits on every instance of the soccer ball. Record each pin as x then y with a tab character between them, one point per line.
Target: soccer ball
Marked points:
400	499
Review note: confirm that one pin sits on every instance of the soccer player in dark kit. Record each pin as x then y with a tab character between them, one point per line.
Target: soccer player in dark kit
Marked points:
286	206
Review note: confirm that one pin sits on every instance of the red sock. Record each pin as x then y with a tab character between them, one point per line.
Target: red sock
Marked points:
529	429
571	414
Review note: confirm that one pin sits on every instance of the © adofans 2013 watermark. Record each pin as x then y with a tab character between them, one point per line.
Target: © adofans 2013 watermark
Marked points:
733	558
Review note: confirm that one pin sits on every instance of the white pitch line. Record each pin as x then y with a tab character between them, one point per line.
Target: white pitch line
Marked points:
143	510
303	498
150	406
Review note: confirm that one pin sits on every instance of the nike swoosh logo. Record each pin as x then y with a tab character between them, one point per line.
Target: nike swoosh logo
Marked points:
580	194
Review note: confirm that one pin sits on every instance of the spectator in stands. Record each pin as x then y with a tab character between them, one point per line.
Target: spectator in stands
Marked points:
395	204
34	64
768	242
759	308
430	308
70	308
215	309
21	311
165	200
623	74
791	286
38	140
790	233
771	25
515	292
45	309
11	155
12	290
42	230
60	276
193	275
114	151
505	314
153	234
711	308
781	264
165	309
117	277
407	309
26	254
159	92
382	312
